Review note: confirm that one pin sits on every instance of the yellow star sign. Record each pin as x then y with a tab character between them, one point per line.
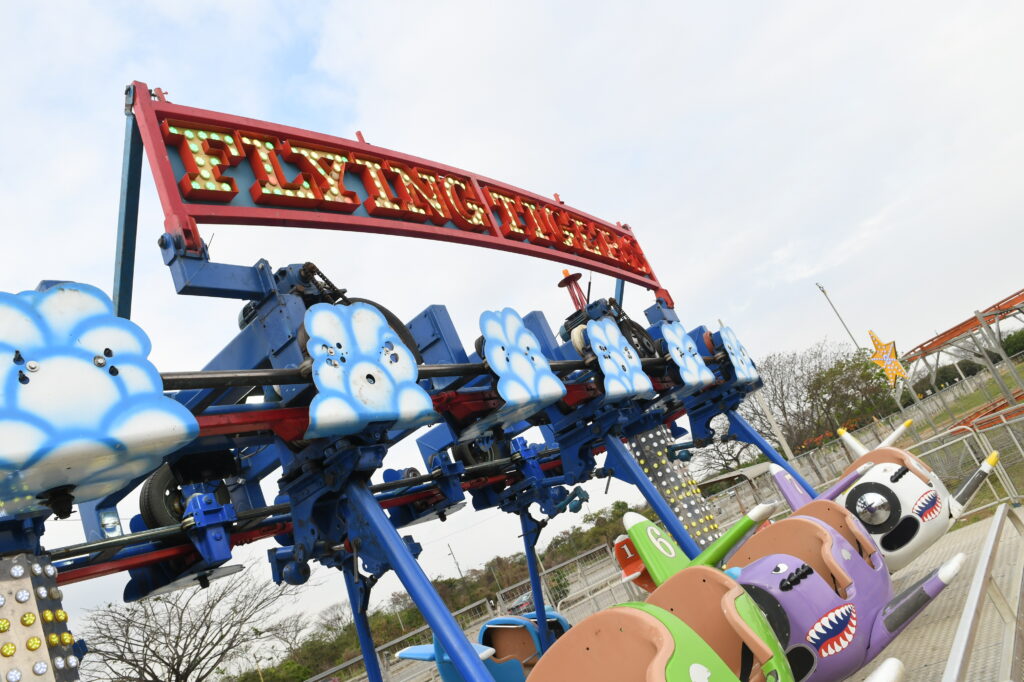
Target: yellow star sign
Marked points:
885	357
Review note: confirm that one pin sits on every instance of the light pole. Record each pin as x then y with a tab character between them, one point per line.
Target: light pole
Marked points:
457	568
841	321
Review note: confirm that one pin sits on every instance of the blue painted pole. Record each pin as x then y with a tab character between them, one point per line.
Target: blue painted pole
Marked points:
743	431
623	462
620	290
416	583
531	532
366	643
128	212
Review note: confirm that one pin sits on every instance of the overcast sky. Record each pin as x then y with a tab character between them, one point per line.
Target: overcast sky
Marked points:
755	149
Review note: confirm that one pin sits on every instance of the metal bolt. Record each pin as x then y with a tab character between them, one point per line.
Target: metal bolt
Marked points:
32	366
99	361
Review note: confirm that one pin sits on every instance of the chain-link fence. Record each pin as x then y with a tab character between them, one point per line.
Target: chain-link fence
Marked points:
576	588
590	568
469	618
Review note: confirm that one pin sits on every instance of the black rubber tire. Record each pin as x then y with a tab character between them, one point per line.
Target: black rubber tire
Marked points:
160	501
639	338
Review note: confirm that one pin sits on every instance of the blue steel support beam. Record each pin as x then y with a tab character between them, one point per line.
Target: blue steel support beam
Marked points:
441	621
746	433
620	290
531	533
128	212
357	600
628	469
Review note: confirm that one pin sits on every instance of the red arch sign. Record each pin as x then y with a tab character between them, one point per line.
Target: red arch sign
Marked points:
213	168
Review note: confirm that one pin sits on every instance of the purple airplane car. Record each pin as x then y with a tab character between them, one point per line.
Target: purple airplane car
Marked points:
826	591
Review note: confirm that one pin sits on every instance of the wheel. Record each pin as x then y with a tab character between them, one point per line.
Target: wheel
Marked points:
579	340
160	501
639	338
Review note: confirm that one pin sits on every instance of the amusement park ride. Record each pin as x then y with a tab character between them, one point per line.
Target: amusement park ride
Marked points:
317	386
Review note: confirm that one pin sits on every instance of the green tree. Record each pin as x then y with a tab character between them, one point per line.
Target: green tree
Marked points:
1014	343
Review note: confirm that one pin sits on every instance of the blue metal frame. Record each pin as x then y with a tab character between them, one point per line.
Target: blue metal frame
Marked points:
336	520
128	211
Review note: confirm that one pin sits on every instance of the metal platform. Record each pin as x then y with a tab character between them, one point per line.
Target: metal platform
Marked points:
925	646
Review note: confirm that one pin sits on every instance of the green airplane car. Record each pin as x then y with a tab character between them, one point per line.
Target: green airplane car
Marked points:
698	625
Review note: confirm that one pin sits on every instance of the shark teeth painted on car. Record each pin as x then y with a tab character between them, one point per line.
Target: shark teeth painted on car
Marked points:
928	506
834	631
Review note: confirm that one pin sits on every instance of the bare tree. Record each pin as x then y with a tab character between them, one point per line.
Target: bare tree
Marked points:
811	393
189	635
333	620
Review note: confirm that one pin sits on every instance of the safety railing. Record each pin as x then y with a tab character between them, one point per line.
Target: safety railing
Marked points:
1008	606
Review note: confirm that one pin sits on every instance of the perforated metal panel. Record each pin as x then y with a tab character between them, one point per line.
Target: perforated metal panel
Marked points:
672	479
35	643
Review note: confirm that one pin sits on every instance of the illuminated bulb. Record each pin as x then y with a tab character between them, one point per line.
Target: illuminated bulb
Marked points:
58	663
8	649
268	145
22	596
61	615
3	600
13	675
173	130
211	185
225	186
67	639
47	616
5	625
52	639
72	661
202	135
40	668
194	147
17	571
214	136
28	619
42	592
189	134
33	643
37	569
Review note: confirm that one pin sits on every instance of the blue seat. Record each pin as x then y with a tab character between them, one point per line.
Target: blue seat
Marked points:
510	671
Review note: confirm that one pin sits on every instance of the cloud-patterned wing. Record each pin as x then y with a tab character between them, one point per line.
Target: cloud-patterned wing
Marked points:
80	403
362	371
624	376
525	380
743	366
683	351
